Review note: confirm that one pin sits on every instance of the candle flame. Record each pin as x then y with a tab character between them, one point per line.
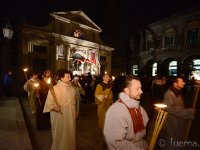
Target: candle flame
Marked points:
49	81
25	69
36	85
160	105
113	77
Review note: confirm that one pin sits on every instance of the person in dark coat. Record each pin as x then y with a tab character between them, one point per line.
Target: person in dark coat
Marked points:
7	84
43	119
175	127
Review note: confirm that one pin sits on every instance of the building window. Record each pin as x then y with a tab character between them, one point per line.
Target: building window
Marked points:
173	68
60	52
196	66
39	49
192	36
154	69
169	37
135	69
168	42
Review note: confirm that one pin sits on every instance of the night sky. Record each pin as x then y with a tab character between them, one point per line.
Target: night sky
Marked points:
117	18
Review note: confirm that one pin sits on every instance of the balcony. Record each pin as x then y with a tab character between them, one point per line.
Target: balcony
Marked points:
185	47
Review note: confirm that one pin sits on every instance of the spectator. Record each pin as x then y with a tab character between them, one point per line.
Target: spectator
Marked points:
7	84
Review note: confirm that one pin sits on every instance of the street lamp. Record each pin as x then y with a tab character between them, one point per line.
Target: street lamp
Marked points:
7	32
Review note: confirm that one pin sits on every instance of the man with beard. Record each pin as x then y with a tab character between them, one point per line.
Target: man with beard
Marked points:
176	122
62	107
126	120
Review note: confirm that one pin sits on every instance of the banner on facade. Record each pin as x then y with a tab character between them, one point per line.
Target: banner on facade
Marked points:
93	59
60	52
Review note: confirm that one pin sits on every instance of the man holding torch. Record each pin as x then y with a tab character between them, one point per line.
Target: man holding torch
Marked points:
43	119
176	122
61	103
30	87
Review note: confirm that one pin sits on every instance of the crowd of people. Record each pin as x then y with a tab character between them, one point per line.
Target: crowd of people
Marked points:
55	101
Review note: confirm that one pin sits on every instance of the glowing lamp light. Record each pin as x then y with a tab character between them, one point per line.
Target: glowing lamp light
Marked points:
7	32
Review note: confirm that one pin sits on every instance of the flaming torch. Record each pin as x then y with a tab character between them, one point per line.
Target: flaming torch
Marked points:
162	114
196	93
25	73
53	93
36	87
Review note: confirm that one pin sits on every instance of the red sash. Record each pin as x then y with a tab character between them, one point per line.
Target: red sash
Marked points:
136	117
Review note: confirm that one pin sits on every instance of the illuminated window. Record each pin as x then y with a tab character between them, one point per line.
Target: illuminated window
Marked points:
154	69
135	69
173	68
196	66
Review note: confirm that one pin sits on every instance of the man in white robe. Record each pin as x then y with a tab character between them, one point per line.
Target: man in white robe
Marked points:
63	117
126	120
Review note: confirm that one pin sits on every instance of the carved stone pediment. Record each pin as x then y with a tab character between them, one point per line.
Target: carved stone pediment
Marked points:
78	17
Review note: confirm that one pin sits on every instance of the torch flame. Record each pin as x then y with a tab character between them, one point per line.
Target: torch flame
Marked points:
49	81
160	105
36	85
113	77
25	69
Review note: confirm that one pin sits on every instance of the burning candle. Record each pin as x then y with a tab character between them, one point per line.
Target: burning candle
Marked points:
161	117
113	78
53	93
36	85
25	73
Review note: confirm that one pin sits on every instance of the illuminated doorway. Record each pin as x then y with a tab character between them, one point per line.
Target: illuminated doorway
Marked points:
154	69
173	68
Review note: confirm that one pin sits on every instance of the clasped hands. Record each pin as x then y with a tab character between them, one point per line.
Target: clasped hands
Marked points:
57	108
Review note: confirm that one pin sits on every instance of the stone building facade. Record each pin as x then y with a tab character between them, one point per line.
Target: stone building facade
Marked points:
170	46
70	41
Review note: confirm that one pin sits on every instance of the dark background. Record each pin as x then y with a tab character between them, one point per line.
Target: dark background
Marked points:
118	19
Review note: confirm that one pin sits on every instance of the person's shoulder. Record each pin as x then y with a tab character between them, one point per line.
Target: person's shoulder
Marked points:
117	107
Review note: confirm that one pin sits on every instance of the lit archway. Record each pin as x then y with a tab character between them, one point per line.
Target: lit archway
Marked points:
173	68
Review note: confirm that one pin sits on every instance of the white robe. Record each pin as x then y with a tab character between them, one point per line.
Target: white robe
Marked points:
118	129
63	125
